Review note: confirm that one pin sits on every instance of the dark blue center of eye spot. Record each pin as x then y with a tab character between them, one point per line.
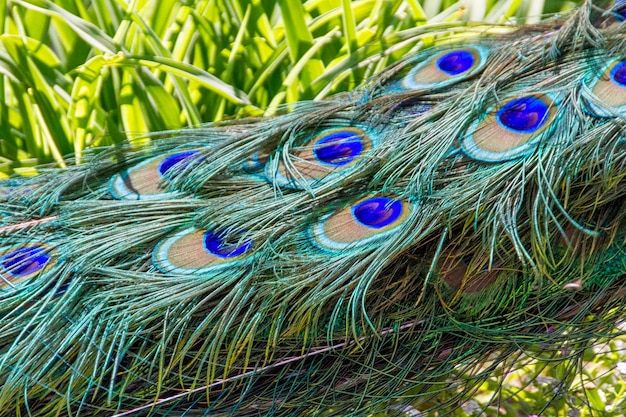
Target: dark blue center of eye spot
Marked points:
618	73
338	148
215	244
619	10
377	212
524	114
24	261
456	62
180	160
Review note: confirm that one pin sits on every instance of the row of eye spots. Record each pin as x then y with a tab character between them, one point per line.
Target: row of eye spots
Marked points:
195	251
506	132
513	128
503	132
349	229
335	151
329	151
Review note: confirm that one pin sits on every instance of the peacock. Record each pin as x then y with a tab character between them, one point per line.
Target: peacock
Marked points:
347	256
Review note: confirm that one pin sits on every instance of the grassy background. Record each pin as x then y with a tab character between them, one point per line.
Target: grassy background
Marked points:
77	73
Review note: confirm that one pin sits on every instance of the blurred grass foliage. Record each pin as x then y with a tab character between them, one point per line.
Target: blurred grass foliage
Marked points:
76	74
82	73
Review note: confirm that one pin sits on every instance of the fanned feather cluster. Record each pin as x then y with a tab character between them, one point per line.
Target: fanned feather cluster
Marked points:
348	257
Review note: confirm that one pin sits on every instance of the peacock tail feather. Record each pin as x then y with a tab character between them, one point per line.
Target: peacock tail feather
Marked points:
345	257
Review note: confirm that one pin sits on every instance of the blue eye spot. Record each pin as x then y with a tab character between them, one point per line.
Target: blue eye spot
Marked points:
180	160
338	148
24	261
618	73
455	63
216	245
524	115
377	212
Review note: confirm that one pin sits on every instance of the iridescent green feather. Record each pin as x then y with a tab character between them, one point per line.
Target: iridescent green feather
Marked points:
346	257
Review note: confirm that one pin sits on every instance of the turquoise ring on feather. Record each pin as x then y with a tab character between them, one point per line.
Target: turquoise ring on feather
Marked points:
511	130
331	152
198	251
365	221
145	180
605	94
21	263
445	68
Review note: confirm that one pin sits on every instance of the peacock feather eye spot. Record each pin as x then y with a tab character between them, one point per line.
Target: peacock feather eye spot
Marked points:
361	222
511	130
377	212
618	73
24	261
215	244
326	155
147	180
444	68
604	92
201	251
524	114
179	160
456	62
338	147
